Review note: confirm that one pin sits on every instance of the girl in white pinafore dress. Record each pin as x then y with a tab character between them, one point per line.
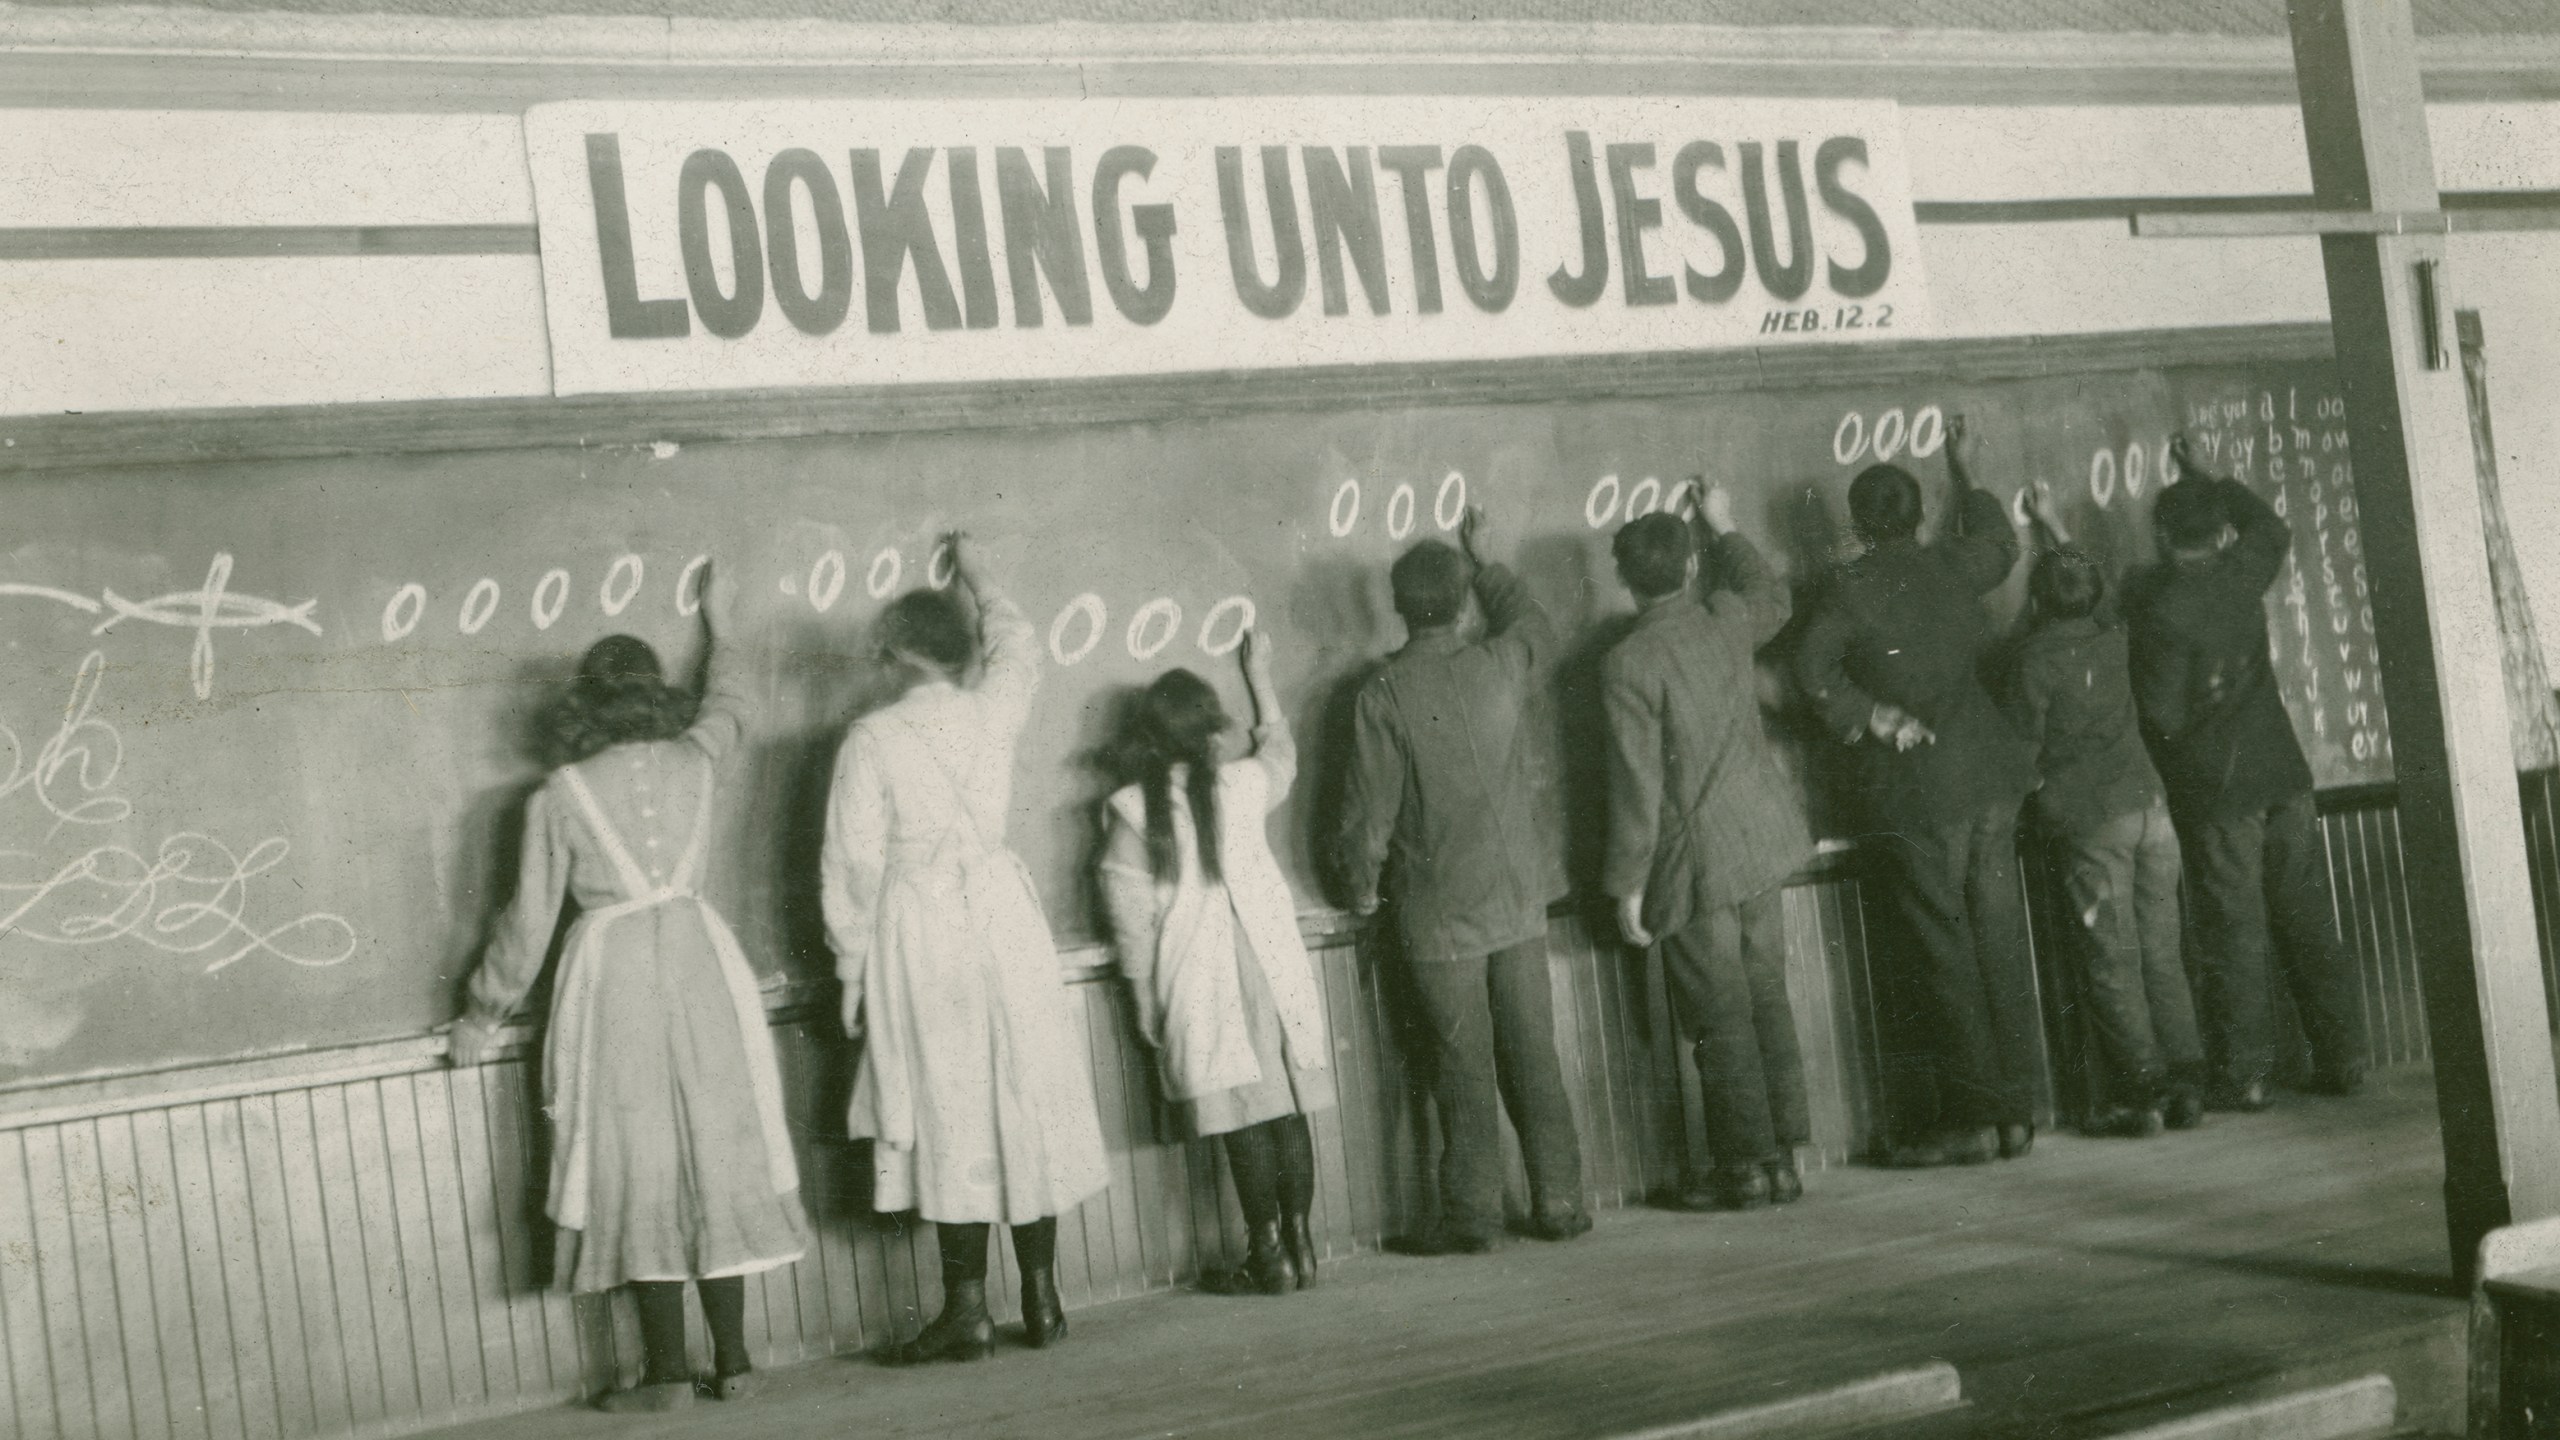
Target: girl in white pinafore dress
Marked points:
1208	940
973	1080
669	1161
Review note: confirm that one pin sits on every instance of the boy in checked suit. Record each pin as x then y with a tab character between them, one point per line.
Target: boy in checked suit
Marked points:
1704	830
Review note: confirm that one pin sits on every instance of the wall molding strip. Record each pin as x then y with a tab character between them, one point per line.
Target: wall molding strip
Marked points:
119	56
140	439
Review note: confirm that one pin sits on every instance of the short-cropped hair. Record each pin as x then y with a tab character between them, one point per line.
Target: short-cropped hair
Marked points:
1653	554
930	623
1884	504
2189	516
2067	584
1430	584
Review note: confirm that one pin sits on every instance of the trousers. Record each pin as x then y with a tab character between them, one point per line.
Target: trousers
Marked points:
1968	998
1493	1040
2122	880
1727	971
2260	883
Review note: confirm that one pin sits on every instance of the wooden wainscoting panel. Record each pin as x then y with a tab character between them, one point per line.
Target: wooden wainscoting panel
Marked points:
182	1335
28	1375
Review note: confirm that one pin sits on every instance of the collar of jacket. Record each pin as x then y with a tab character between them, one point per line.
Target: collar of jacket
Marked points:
1660	608
1438	640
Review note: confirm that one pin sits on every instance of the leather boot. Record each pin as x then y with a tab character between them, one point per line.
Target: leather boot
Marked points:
961	1332
1044	1317
1786	1183
1265	1271
1299	1241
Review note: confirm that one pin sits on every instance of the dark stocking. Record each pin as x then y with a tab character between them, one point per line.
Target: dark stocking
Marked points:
964	1251
1035	1246
724	1310
661	1331
1296	1150
1255	1167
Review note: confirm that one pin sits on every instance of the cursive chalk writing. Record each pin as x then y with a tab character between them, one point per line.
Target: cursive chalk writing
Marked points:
88	751
189	897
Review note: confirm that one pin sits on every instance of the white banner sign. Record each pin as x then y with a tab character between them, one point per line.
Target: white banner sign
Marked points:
826	243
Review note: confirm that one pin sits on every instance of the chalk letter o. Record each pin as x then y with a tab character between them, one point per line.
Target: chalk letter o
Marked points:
1400	528
1888	437
1158	609
886	569
1644	497
549	597
1932	423
1342	519
2136	470
1088	605
689	586
478	606
401	615
1241	607
826	580
2102	478
630	568
942	569
1849	438
1446	510
1595	508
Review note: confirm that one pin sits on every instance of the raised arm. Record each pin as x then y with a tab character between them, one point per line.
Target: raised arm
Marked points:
721	722
850	863
1273	745
514	958
1011	646
1371	798
1516	627
1747	589
2263	538
1129	894
1979	537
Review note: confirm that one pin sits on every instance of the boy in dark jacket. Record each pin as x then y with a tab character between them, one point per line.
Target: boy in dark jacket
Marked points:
2103	811
1704	830
2238	785
1891	662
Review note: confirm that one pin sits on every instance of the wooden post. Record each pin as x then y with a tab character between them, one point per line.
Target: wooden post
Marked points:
2470	897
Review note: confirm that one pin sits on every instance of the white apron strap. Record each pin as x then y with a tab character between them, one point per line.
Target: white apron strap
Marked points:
635	886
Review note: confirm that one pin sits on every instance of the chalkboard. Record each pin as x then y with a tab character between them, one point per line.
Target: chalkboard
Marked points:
267	724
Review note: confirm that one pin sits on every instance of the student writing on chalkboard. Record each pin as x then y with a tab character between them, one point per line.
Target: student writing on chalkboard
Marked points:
972	1083
2239	787
669	1160
1891	660
1704	830
1439	809
2105	819
1208	939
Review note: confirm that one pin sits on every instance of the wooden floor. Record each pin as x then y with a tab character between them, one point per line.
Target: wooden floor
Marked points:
2090	1287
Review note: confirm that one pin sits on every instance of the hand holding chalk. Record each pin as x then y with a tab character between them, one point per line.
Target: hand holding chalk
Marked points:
1473	533
964	560
2182	460
719	600
1257	658
1718	509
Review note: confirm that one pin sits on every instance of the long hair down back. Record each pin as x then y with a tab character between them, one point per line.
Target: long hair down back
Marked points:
1178	723
620	695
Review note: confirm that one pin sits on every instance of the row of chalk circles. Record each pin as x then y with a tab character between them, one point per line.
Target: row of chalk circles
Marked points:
1075	633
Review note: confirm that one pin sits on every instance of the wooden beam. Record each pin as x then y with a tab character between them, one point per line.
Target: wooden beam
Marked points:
2175	226
2356	62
